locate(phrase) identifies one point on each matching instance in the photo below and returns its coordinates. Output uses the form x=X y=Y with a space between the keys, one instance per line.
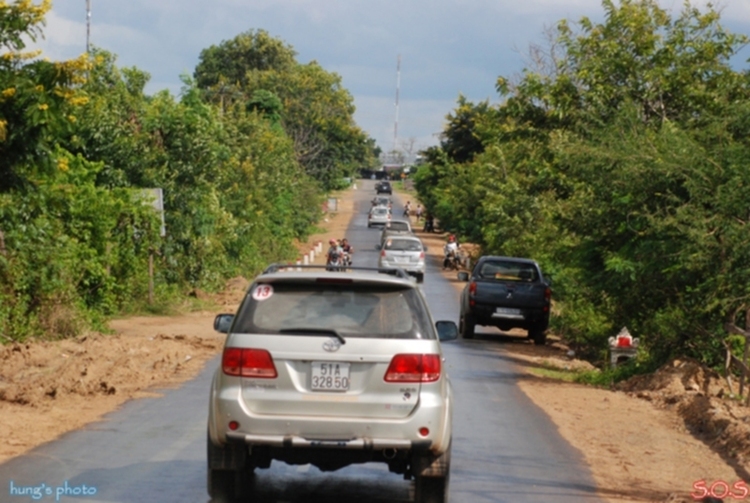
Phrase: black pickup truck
x=506 y=292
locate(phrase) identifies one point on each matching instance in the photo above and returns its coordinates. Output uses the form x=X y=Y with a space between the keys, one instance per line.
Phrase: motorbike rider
x=348 y=250
x=334 y=255
x=451 y=252
x=407 y=209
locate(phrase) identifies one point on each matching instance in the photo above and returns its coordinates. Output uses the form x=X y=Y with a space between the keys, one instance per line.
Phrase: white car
x=379 y=215
x=331 y=369
x=403 y=251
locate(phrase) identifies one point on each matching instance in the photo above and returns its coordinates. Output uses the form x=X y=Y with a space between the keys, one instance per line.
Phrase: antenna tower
x=398 y=86
x=88 y=25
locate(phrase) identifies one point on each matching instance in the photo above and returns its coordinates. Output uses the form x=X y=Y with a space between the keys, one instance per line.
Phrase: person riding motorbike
x=407 y=209
x=348 y=250
x=335 y=256
x=450 y=251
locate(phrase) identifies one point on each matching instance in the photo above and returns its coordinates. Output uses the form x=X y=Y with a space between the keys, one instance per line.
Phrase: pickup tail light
x=246 y=362
x=413 y=368
x=547 y=297
x=382 y=252
x=472 y=292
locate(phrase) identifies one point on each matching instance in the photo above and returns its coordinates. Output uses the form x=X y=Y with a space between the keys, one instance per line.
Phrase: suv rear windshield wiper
x=316 y=331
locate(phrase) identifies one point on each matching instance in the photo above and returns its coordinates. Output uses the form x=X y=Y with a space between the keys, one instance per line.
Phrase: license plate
x=507 y=312
x=402 y=260
x=330 y=376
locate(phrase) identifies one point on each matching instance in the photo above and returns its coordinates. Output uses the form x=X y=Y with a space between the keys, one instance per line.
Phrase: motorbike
x=347 y=259
x=335 y=262
x=429 y=224
x=452 y=259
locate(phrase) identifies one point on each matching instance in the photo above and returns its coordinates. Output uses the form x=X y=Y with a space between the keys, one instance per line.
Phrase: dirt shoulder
x=649 y=441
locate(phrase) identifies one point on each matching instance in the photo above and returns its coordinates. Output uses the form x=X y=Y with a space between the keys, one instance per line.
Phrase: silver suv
x=331 y=369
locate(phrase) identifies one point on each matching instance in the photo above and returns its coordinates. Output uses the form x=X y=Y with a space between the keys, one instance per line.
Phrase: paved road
x=153 y=450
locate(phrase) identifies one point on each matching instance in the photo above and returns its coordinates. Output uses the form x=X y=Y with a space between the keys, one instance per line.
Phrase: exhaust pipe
x=389 y=453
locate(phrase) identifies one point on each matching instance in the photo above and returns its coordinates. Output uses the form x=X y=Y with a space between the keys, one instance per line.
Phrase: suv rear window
x=403 y=245
x=398 y=226
x=375 y=311
x=508 y=271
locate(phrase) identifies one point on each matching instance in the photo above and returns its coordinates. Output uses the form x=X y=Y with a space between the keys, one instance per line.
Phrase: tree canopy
x=620 y=164
x=316 y=110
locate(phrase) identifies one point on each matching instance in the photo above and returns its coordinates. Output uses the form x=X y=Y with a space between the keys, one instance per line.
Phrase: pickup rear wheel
x=466 y=326
x=537 y=335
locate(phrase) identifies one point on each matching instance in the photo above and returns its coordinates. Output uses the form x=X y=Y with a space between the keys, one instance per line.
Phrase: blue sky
x=447 y=47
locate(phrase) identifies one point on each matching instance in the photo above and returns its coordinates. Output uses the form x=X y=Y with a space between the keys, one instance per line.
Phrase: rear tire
x=466 y=326
x=431 y=481
x=229 y=477
x=228 y=486
x=538 y=336
x=420 y=277
x=431 y=489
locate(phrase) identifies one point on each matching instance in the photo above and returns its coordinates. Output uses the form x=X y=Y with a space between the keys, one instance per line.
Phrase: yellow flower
x=79 y=100
x=62 y=164
x=7 y=93
x=43 y=106
x=72 y=118
x=39 y=88
x=3 y=130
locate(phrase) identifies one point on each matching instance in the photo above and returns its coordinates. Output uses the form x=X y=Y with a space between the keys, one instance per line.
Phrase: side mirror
x=463 y=276
x=223 y=322
x=447 y=330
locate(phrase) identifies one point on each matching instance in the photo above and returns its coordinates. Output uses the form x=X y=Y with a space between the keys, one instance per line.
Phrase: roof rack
x=278 y=267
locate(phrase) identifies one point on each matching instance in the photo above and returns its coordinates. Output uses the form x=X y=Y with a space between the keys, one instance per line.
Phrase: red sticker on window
x=262 y=292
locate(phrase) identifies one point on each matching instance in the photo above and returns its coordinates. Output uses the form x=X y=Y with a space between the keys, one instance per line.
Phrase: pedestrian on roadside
x=418 y=212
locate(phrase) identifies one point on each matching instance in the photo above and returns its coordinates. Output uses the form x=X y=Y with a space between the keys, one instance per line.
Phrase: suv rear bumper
x=291 y=441
x=313 y=431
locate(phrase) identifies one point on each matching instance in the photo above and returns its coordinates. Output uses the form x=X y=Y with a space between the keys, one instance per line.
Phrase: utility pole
x=398 y=85
x=88 y=25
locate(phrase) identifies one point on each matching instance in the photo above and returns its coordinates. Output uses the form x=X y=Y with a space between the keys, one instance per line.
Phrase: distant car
x=394 y=228
x=382 y=201
x=331 y=369
x=506 y=292
x=405 y=252
x=384 y=188
x=379 y=215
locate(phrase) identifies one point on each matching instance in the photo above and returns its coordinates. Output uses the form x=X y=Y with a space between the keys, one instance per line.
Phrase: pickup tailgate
x=510 y=293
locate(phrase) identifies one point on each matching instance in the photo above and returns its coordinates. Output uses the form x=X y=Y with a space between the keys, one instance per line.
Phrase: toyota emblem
x=332 y=345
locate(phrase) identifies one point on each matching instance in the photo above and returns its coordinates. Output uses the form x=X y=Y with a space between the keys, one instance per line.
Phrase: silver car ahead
x=405 y=252
x=379 y=215
x=331 y=369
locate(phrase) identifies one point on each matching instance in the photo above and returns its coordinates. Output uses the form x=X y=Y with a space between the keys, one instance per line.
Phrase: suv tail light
x=547 y=297
x=382 y=252
x=244 y=362
x=413 y=368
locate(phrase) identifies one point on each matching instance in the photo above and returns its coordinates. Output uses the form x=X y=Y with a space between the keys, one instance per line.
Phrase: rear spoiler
x=392 y=271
